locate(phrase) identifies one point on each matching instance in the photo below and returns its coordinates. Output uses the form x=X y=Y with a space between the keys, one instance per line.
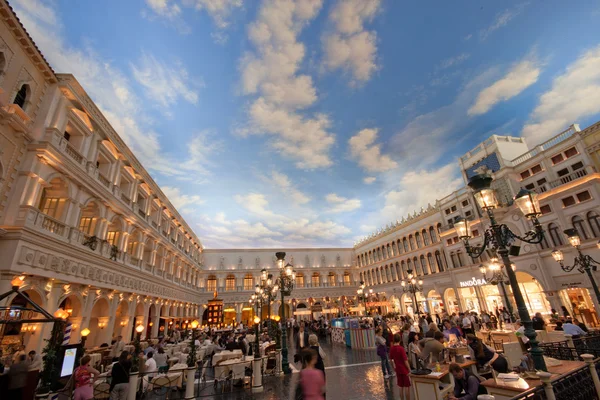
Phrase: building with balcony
x=79 y=214
x=562 y=170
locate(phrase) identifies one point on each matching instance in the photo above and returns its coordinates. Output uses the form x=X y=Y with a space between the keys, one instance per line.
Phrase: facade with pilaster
x=562 y=170
x=80 y=217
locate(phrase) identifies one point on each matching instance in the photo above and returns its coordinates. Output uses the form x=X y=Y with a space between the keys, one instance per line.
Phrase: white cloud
x=416 y=189
x=164 y=8
x=180 y=200
x=258 y=205
x=369 y=179
x=502 y=19
x=342 y=204
x=351 y=47
x=108 y=86
x=468 y=37
x=519 y=78
x=271 y=74
x=290 y=191
x=453 y=61
x=368 y=154
x=219 y=10
x=164 y=84
x=574 y=94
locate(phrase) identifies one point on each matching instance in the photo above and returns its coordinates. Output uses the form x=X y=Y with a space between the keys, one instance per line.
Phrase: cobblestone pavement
x=351 y=375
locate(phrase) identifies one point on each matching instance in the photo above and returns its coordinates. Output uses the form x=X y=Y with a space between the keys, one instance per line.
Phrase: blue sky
x=311 y=123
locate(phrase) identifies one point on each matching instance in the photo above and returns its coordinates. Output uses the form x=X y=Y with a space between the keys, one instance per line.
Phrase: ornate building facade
x=80 y=217
x=562 y=170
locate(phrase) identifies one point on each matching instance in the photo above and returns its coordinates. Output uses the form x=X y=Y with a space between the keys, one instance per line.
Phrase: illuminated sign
x=473 y=282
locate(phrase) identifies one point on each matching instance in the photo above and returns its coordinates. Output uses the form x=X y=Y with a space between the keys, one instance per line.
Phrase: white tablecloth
x=95 y=358
x=175 y=379
x=227 y=355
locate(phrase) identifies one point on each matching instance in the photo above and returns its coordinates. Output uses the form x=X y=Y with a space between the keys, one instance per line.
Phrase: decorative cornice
x=14 y=23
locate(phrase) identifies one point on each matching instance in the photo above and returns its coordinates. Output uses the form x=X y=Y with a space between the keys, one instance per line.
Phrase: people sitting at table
x=559 y=326
x=35 y=361
x=149 y=349
x=151 y=366
x=581 y=325
x=432 y=348
x=573 y=330
x=451 y=329
x=466 y=385
x=486 y=356
x=160 y=358
x=538 y=322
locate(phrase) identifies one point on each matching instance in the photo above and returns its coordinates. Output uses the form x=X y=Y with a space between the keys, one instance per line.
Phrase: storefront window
x=436 y=302
x=469 y=296
x=493 y=297
x=533 y=294
x=580 y=305
x=451 y=301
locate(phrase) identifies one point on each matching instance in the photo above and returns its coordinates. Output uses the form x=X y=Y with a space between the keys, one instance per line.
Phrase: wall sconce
x=123 y=323
x=151 y=324
x=101 y=325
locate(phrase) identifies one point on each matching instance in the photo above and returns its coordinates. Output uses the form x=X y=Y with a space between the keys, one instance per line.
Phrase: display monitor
x=68 y=363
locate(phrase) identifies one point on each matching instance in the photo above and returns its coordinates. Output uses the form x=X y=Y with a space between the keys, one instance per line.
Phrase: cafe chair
x=160 y=388
x=498 y=347
x=222 y=375
x=238 y=372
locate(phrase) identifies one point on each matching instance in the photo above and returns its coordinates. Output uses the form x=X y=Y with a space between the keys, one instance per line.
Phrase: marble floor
x=351 y=374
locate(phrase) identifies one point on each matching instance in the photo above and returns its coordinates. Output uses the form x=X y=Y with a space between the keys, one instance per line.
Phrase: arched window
x=399 y=245
x=347 y=280
x=439 y=262
x=544 y=243
x=388 y=274
x=88 y=219
x=577 y=222
x=460 y=259
x=2 y=62
x=230 y=283
x=248 y=282
x=316 y=279
x=331 y=279
x=411 y=239
x=21 y=96
x=379 y=258
x=211 y=283
x=405 y=243
x=424 y=265
x=402 y=269
x=425 y=237
x=555 y=234
x=398 y=272
x=300 y=280
x=431 y=263
x=385 y=253
x=594 y=223
x=389 y=251
x=418 y=240
x=394 y=248
x=432 y=235
x=438 y=227
x=453 y=260
x=417 y=266
x=409 y=265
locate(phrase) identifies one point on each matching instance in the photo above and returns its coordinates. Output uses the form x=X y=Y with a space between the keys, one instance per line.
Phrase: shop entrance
x=580 y=305
x=451 y=301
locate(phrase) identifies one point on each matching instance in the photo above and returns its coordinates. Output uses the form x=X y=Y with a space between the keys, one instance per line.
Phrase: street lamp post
x=498 y=278
x=413 y=286
x=360 y=292
x=583 y=262
x=285 y=282
x=499 y=238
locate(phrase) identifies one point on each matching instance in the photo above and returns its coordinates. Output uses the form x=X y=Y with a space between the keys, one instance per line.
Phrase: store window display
x=580 y=305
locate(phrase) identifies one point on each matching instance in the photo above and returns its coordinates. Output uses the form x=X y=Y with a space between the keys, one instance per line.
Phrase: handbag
x=381 y=351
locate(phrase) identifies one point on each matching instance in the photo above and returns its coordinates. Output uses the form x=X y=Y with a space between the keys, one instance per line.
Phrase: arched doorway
x=436 y=302
x=302 y=312
x=248 y=314
x=452 y=305
x=151 y=318
x=287 y=310
x=72 y=305
x=98 y=321
x=121 y=318
x=22 y=333
x=408 y=306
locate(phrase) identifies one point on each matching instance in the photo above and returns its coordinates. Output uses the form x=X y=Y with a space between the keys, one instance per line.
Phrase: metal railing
x=546 y=145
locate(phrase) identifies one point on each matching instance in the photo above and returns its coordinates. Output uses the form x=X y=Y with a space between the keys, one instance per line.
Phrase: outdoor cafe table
x=507 y=389
x=437 y=384
x=226 y=355
x=175 y=379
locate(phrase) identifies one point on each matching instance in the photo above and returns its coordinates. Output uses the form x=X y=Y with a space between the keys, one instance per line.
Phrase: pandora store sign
x=473 y=282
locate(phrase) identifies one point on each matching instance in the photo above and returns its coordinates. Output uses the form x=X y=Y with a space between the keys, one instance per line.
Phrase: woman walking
x=83 y=377
x=313 y=341
x=312 y=379
x=401 y=367
x=382 y=352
